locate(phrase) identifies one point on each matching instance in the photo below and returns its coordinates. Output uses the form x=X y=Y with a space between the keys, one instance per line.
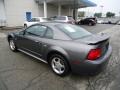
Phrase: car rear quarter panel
x=71 y=50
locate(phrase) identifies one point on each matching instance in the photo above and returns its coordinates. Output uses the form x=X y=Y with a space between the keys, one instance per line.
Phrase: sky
x=108 y=5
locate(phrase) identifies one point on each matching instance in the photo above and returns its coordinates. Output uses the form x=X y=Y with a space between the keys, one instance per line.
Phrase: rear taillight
x=94 y=54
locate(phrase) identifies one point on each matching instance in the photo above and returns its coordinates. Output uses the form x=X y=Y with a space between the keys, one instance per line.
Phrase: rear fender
x=59 y=50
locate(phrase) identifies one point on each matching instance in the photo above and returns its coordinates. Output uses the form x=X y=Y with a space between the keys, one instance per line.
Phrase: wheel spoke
x=58 y=65
x=12 y=45
x=58 y=60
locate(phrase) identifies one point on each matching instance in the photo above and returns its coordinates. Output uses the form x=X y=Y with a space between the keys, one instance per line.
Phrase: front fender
x=10 y=35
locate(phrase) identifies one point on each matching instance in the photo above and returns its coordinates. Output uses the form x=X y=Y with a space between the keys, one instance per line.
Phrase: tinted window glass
x=36 y=20
x=60 y=18
x=73 y=31
x=36 y=30
x=32 y=20
x=70 y=18
x=49 y=33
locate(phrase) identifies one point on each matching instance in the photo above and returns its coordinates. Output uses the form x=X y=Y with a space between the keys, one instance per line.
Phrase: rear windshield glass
x=45 y=19
x=61 y=18
x=70 y=18
x=73 y=31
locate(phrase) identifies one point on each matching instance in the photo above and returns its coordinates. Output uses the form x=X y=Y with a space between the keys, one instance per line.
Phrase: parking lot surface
x=21 y=72
x=97 y=28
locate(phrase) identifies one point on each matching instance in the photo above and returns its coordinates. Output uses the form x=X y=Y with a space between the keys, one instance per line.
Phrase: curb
x=11 y=28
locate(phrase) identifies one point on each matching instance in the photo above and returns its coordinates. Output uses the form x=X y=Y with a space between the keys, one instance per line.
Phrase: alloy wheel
x=58 y=65
x=12 y=45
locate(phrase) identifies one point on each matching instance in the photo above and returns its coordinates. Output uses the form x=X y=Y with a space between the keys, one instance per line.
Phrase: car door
x=31 y=41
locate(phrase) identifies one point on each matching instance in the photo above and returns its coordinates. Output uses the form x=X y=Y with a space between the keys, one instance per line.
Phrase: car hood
x=94 y=39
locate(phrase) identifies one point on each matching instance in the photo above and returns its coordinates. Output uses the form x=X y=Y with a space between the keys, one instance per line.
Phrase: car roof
x=50 y=23
x=59 y=34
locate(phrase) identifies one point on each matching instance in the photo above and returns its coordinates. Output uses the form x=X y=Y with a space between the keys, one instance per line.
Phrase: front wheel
x=90 y=24
x=59 y=65
x=79 y=23
x=12 y=45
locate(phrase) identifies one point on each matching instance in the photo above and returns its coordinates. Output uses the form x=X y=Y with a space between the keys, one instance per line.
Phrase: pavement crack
x=90 y=86
x=31 y=81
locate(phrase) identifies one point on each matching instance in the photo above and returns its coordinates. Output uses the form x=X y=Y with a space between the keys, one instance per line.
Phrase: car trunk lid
x=100 y=41
x=94 y=39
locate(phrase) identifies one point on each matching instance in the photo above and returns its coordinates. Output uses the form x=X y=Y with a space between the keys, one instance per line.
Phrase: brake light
x=94 y=54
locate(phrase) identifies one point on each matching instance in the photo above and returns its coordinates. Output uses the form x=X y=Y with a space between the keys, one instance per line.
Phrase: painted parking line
x=2 y=35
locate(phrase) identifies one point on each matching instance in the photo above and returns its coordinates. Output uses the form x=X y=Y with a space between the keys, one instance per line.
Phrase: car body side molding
x=33 y=56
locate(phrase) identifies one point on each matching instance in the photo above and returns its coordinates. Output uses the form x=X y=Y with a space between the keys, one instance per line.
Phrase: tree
x=110 y=14
x=81 y=14
x=98 y=15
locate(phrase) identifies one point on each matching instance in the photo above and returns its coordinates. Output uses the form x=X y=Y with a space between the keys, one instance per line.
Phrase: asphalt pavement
x=97 y=28
x=21 y=72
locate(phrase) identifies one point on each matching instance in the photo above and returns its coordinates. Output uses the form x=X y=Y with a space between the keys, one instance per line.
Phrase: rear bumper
x=88 y=67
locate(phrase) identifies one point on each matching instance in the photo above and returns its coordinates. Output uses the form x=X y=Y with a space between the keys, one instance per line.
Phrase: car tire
x=12 y=45
x=79 y=23
x=90 y=24
x=59 y=65
x=25 y=26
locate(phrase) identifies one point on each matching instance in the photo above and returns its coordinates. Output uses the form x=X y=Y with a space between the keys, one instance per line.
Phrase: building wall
x=2 y=13
x=52 y=10
x=16 y=11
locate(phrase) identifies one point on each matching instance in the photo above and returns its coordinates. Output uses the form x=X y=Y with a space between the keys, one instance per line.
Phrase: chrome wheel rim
x=58 y=65
x=12 y=45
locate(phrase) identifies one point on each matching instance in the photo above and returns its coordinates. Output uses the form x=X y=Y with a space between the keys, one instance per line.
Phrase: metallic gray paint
x=73 y=50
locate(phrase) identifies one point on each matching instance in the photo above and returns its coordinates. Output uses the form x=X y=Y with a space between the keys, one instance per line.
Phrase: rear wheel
x=79 y=23
x=90 y=24
x=59 y=65
x=12 y=45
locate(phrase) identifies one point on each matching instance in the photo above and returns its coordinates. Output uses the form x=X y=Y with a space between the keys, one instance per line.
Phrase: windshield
x=73 y=31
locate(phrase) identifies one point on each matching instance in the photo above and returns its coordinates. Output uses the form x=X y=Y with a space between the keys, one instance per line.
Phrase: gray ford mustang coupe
x=65 y=47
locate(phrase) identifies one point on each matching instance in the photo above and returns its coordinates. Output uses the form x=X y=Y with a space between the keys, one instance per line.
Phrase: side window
x=49 y=34
x=36 y=30
x=32 y=20
x=60 y=18
x=36 y=20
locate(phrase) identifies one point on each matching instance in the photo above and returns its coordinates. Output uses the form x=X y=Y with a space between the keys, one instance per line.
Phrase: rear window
x=36 y=19
x=45 y=19
x=73 y=31
x=61 y=18
x=70 y=18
